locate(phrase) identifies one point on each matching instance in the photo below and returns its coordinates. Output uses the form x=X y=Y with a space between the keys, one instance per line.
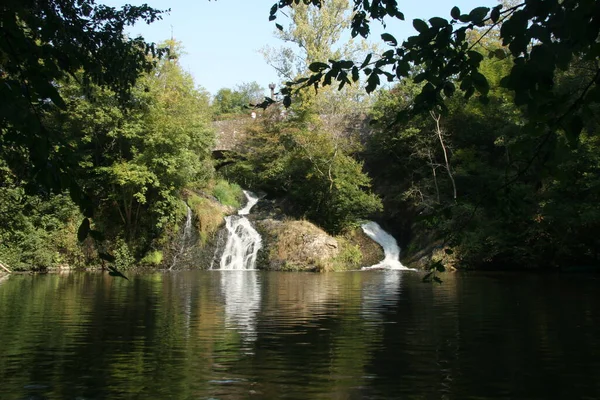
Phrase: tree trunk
x=438 y=131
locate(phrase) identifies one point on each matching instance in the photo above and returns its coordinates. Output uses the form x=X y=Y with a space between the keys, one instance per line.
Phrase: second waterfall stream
x=243 y=241
x=390 y=247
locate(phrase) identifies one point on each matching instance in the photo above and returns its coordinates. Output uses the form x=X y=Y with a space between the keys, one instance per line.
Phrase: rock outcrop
x=296 y=246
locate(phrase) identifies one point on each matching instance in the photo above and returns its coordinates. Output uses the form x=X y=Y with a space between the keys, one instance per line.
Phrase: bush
x=208 y=216
x=229 y=194
x=154 y=258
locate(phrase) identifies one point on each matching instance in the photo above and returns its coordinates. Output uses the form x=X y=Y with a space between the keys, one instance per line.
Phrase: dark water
x=236 y=335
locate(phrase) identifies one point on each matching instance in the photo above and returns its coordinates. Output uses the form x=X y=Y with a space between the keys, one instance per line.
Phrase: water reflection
x=379 y=290
x=243 y=334
x=242 y=296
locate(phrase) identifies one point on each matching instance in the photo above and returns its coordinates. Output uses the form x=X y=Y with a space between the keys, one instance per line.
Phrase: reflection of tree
x=345 y=335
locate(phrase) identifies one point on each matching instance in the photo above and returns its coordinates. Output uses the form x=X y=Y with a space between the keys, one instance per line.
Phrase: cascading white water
x=252 y=200
x=390 y=247
x=243 y=241
x=187 y=233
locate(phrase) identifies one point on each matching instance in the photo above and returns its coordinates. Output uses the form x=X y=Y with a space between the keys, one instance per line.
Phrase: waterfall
x=390 y=247
x=187 y=233
x=243 y=241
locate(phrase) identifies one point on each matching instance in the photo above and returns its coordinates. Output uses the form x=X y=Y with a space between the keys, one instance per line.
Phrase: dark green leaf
x=97 y=235
x=480 y=82
x=420 y=25
x=573 y=129
x=475 y=58
x=389 y=39
x=355 y=75
x=116 y=272
x=372 y=83
x=449 y=251
x=495 y=16
x=449 y=89
x=438 y=22
x=366 y=61
x=478 y=14
x=318 y=66
x=106 y=257
x=279 y=27
x=84 y=229
x=455 y=12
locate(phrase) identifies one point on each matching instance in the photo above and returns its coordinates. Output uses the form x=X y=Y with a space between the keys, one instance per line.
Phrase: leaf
x=116 y=272
x=97 y=235
x=318 y=66
x=475 y=58
x=449 y=251
x=480 y=82
x=573 y=129
x=389 y=39
x=420 y=25
x=495 y=16
x=83 y=230
x=355 y=75
x=366 y=61
x=449 y=89
x=500 y=54
x=455 y=12
x=478 y=14
x=106 y=257
x=420 y=77
x=372 y=82
x=438 y=22
x=287 y=101
x=345 y=64
x=279 y=27
x=427 y=277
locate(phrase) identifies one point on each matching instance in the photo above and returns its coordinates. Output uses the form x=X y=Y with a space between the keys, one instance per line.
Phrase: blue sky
x=222 y=38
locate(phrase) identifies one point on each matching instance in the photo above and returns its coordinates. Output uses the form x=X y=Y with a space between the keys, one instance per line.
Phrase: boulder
x=295 y=246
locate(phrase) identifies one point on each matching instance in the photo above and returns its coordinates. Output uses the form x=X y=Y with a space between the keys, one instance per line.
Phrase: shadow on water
x=240 y=334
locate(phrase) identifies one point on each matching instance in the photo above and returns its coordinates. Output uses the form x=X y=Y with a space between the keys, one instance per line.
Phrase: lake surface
x=250 y=334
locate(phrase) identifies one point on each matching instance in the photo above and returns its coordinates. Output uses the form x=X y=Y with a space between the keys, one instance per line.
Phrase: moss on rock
x=296 y=246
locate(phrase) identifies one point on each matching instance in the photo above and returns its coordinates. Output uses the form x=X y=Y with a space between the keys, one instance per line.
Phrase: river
x=253 y=334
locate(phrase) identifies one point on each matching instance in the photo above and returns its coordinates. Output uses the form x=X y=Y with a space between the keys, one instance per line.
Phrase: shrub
x=154 y=257
x=229 y=194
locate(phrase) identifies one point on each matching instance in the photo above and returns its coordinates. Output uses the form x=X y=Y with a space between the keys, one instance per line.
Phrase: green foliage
x=543 y=38
x=349 y=256
x=309 y=167
x=154 y=258
x=133 y=161
x=313 y=36
x=209 y=216
x=36 y=232
x=526 y=196
x=123 y=255
x=229 y=194
x=228 y=102
x=44 y=43
x=128 y=160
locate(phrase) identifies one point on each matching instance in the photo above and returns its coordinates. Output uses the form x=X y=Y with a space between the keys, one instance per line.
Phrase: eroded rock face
x=295 y=246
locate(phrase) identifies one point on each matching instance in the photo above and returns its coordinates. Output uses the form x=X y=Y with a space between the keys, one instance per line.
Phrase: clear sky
x=222 y=38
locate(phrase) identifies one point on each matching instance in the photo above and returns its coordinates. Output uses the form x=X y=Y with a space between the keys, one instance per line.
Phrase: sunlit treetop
x=543 y=37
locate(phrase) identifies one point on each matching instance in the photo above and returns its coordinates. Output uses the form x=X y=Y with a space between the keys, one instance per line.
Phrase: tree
x=296 y=160
x=238 y=100
x=543 y=38
x=314 y=35
x=134 y=158
x=45 y=41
